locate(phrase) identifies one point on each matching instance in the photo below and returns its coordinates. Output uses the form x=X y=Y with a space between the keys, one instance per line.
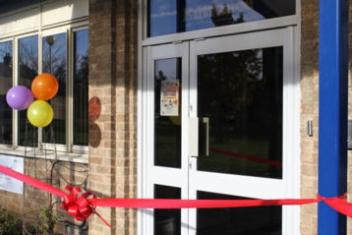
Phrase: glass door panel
x=167 y=222
x=167 y=112
x=240 y=92
x=237 y=221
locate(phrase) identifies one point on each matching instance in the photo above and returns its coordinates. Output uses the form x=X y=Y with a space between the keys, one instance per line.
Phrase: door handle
x=198 y=136
x=193 y=127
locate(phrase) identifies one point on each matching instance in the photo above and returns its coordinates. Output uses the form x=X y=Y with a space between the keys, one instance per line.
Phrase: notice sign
x=169 y=98
x=7 y=183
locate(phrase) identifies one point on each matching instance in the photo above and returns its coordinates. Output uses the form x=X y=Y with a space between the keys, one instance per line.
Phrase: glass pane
x=80 y=88
x=163 y=17
x=27 y=71
x=167 y=112
x=241 y=94
x=238 y=221
x=167 y=222
x=5 y=85
x=55 y=62
x=174 y=16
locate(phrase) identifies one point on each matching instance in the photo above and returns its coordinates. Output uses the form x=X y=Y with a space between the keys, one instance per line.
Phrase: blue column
x=333 y=105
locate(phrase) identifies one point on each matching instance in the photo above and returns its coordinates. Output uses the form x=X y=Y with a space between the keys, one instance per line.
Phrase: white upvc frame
x=293 y=22
x=39 y=29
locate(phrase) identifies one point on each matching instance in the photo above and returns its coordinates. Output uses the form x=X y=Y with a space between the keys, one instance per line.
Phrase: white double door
x=220 y=120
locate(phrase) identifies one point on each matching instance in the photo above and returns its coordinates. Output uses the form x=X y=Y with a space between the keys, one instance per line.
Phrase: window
x=55 y=62
x=173 y=16
x=80 y=88
x=27 y=70
x=48 y=37
x=5 y=85
x=65 y=55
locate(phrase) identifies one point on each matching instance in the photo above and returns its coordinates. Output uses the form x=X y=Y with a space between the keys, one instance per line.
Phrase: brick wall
x=309 y=111
x=112 y=79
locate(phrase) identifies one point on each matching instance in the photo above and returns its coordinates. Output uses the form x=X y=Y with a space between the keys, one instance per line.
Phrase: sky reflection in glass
x=172 y=16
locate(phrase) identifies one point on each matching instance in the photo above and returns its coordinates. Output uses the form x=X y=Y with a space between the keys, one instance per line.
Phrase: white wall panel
x=20 y=23
x=36 y=17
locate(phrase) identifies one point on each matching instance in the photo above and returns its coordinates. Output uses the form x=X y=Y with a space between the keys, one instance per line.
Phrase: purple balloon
x=19 y=97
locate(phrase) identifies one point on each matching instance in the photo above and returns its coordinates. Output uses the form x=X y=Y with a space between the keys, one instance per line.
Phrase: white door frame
x=287 y=187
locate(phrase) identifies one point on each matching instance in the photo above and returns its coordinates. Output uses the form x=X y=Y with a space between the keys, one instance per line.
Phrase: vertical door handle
x=193 y=136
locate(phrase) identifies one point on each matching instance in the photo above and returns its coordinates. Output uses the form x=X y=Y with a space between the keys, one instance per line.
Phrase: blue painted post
x=333 y=102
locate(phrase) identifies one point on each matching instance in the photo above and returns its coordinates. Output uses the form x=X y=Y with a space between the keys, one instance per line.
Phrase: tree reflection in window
x=80 y=88
x=172 y=16
x=55 y=62
x=27 y=71
x=5 y=85
x=241 y=94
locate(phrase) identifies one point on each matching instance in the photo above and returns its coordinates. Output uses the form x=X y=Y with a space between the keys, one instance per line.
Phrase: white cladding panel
x=34 y=18
x=19 y=23
x=56 y=12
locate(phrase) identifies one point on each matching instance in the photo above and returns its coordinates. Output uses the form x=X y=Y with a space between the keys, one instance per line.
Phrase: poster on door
x=7 y=183
x=169 y=98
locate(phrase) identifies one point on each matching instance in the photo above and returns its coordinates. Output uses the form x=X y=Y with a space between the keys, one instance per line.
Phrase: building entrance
x=219 y=122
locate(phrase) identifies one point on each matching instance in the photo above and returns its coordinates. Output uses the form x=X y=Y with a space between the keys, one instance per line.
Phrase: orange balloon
x=45 y=86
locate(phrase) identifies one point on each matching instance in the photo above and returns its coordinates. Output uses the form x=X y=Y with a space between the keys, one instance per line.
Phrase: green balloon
x=40 y=113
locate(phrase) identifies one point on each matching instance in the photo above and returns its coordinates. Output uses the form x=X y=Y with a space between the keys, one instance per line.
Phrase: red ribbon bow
x=77 y=204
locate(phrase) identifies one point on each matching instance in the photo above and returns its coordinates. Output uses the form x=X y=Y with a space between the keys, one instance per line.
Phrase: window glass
x=163 y=17
x=5 y=85
x=27 y=71
x=171 y=16
x=167 y=222
x=167 y=74
x=80 y=88
x=240 y=93
x=238 y=221
x=55 y=62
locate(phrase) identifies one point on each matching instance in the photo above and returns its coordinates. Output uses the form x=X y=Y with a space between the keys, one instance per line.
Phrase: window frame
x=69 y=29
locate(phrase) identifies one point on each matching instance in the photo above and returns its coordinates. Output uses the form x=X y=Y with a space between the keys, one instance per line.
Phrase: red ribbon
x=81 y=205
